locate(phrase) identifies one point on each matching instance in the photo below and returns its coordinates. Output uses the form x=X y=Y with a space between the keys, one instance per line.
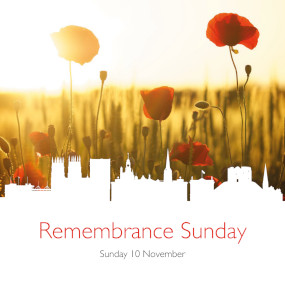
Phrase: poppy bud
x=102 y=134
x=13 y=142
x=4 y=145
x=248 y=69
x=202 y=105
x=51 y=131
x=87 y=142
x=175 y=175
x=195 y=115
x=103 y=75
x=145 y=131
x=17 y=105
x=7 y=164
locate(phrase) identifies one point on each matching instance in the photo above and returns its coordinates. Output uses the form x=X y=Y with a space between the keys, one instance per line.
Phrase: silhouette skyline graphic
x=77 y=203
x=127 y=186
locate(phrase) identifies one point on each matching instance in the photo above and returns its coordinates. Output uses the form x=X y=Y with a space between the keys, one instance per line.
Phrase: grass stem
x=226 y=131
x=160 y=131
x=20 y=141
x=144 y=151
x=240 y=106
x=97 y=118
x=245 y=121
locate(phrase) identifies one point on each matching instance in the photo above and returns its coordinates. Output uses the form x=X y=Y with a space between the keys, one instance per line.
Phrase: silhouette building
x=238 y=187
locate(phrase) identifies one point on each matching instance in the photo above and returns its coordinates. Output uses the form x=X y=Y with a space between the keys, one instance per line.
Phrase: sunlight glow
x=148 y=42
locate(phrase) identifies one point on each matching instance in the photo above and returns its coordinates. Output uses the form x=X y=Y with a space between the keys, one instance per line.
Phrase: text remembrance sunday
x=113 y=231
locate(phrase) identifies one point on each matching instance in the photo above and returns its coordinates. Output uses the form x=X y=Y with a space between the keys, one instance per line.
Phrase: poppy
x=232 y=29
x=76 y=44
x=216 y=180
x=200 y=157
x=103 y=134
x=34 y=175
x=41 y=142
x=158 y=102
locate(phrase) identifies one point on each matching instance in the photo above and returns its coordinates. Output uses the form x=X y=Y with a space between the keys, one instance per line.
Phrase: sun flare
x=141 y=43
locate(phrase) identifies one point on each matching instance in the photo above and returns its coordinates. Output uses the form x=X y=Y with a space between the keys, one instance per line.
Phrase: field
x=120 y=130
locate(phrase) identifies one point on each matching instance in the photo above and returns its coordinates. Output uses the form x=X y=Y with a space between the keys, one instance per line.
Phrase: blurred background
x=143 y=44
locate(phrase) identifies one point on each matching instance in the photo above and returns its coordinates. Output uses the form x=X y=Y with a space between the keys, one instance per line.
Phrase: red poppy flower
x=35 y=177
x=41 y=142
x=232 y=29
x=76 y=44
x=158 y=102
x=216 y=180
x=200 y=157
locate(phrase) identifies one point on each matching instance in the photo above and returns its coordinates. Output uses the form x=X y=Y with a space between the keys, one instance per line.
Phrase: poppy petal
x=216 y=180
x=146 y=112
x=200 y=153
x=37 y=136
x=209 y=161
x=213 y=34
x=76 y=44
x=180 y=151
x=144 y=94
x=231 y=29
x=34 y=175
x=250 y=37
x=158 y=102
x=41 y=142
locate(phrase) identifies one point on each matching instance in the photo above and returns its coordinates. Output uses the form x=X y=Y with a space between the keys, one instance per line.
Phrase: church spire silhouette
x=265 y=183
x=167 y=163
x=167 y=177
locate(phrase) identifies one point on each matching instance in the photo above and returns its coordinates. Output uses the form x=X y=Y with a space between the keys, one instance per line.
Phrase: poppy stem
x=97 y=118
x=70 y=90
x=240 y=107
x=283 y=159
x=20 y=141
x=50 y=163
x=185 y=174
x=194 y=130
x=101 y=141
x=226 y=131
x=144 y=151
x=160 y=130
x=245 y=119
x=12 y=168
x=69 y=134
x=88 y=170
x=71 y=111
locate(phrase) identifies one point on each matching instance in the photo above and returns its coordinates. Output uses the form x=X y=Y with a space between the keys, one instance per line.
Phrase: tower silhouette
x=265 y=183
x=167 y=176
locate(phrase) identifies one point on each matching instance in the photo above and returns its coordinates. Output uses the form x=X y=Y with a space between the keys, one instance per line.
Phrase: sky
x=142 y=42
